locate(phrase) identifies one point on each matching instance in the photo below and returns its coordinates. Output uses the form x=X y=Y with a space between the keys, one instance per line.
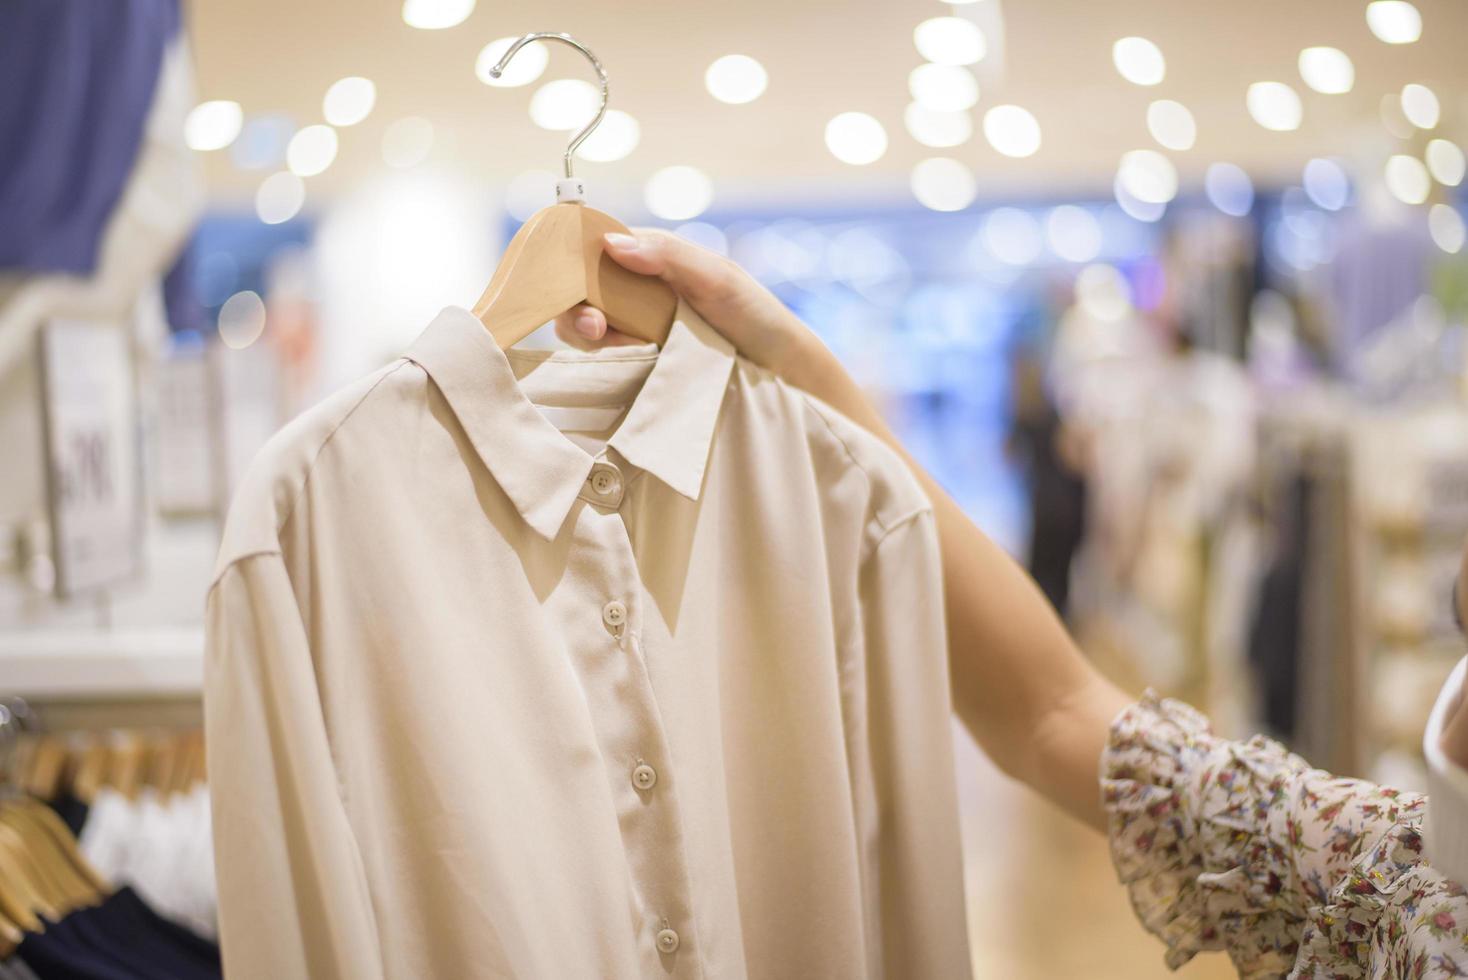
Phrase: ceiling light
x=241 y=320
x=280 y=197
x=1229 y=189
x=945 y=88
x=736 y=79
x=1012 y=131
x=1012 y=236
x=348 y=101
x=1275 y=106
x=678 y=193
x=1420 y=106
x=856 y=138
x=564 y=104
x=406 y=142
x=213 y=125
x=1074 y=233
x=1327 y=70
x=311 y=150
x=1445 y=160
x=528 y=64
x=1407 y=179
x=950 y=41
x=1394 y=21
x=1139 y=60
x=1148 y=176
x=435 y=15
x=616 y=137
x=937 y=129
x=1140 y=210
x=1171 y=124
x=944 y=184
x=1326 y=184
x=1445 y=225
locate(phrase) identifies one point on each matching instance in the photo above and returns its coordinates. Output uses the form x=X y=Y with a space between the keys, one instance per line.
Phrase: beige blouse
x=661 y=696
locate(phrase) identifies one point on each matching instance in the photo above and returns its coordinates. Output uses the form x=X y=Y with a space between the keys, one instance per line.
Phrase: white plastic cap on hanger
x=570 y=190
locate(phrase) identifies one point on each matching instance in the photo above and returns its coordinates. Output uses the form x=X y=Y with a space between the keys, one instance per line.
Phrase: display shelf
x=96 y=664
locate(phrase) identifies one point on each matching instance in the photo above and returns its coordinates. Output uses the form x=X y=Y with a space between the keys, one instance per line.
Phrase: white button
x=644 y=776
x=667 y=941
x=614 y=614
x=604 y=482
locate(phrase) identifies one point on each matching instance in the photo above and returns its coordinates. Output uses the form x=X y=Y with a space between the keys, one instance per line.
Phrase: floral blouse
x=1241 y=846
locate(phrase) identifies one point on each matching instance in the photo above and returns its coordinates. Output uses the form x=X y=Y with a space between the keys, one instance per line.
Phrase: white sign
x=185 y=447
x=93 y=469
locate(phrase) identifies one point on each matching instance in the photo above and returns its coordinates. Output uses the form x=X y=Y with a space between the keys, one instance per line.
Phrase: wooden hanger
x=556 y=259
x=89 y=884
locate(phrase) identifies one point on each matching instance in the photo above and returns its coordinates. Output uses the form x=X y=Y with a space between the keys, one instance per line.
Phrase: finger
x=582 y=327
x=692 y=270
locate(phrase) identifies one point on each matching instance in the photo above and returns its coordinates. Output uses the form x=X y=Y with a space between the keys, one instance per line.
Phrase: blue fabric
x=76 y=82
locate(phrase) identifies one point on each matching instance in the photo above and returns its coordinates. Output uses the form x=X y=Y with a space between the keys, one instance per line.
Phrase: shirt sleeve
x=1228 y=845
x=1446 y=825
x=913 y=887
x=293 y=898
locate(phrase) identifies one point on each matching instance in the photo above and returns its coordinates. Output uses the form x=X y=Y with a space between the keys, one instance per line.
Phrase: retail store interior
x=1171 y=298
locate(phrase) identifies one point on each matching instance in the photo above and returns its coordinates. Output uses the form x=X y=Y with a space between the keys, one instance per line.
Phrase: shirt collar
x=668 y=431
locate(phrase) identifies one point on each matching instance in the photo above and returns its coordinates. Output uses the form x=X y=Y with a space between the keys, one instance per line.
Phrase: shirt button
x=614 y=614
x=667 y=941
x=644 y=776
x=603 y=483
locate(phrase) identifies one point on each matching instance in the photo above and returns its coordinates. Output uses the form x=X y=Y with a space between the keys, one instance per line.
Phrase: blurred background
x=1171 y=296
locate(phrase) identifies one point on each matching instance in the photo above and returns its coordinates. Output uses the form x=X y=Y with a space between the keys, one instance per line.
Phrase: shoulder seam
x=238 y=560
x=306 y=478
x=897 y=524
x=289 y=511
x=814 y=406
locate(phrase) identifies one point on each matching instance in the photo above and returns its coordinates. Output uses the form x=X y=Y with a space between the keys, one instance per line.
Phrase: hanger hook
x=601 y=73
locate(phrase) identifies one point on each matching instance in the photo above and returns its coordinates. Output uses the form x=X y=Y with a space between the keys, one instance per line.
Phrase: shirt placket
x=614 y=674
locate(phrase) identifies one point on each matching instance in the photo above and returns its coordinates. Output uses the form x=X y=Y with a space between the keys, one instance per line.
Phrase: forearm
x=1020 y=685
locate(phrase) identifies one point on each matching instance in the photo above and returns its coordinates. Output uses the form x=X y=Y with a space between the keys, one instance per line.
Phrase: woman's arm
x=1020 y=685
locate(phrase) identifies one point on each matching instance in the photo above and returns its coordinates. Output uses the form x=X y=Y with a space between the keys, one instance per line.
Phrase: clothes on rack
x=161 y=845
x=61 y=919
x=84 y=76
x=122 y=938
x=670 y=699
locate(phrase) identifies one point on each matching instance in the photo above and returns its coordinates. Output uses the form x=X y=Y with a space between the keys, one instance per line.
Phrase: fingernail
x=586 y=326
x=621 y=242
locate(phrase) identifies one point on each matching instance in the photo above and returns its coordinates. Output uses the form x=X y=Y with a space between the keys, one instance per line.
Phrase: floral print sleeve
x=1241 y=846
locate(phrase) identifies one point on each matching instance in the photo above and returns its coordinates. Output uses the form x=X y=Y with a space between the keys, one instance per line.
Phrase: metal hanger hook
x=601 y=73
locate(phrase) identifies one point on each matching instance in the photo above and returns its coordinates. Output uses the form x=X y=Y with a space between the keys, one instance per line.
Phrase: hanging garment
x=163 y=847
x=80 y=78
x=668 y=698
x=120 y=939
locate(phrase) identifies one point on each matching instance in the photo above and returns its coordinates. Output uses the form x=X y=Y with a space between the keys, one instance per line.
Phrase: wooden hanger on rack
x=556 y=259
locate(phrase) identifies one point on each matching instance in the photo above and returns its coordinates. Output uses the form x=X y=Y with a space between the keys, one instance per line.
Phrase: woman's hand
x=732 y=302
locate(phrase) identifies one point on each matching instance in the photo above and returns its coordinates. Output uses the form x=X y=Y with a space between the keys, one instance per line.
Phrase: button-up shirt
x=661 y=695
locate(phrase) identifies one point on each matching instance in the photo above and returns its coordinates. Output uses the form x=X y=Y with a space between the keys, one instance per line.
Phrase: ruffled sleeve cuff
x=1193 y=868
